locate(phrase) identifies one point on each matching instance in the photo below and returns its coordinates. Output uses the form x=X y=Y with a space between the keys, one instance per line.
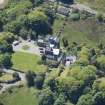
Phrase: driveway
x=33 y=48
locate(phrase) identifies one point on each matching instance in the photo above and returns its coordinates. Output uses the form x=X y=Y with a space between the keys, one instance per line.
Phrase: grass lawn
x=95 y=4
x=87 y=31
x=26 y=61
x=58 y=24
x=20 y=96
x=6 y=77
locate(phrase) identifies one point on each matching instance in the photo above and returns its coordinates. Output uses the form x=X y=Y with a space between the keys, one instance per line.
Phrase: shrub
x=75 y=16
x=30 y=76
x=99 y=17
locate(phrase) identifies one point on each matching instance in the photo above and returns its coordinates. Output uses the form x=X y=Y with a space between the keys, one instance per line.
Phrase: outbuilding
x=63 y=10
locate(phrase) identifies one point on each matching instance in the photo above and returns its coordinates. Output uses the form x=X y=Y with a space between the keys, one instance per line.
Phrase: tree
x=83 y=56
x=92 y=52
x=65 y=42
x=43 y=58
x=1 y=103
x=38 y=21
x=69 y=103
x=16 y=76
x=99 y=17
x=8 y=37
x=99 y=91
x=82 y=61
x=1 y=24
x=32 y=34
x=52 y=84
x=100 y=62
x=12 y=12
x=39 y=81
x=100 y=46
x=5 y=46
x=50 y=81
x=6 y=60
x=24 y=33
x=67 y=1
x=73 y=81
x=13 y=26
x=36 y=2
x=86 y=100
x=60 y=100
x=51 y=15
x=46 y=97
x=99 y=84
x=30 y=76
x=99 y=98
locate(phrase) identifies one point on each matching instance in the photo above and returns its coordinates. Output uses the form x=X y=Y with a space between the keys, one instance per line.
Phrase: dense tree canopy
x=38 y=21
x=46 y=97
x=36 y=2
x=86 y=100
x=5 y=60
x=77 y=77
x=100 y=62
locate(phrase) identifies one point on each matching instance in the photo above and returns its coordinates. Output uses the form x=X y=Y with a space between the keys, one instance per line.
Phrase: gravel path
x=6 y=86
x=33 y=49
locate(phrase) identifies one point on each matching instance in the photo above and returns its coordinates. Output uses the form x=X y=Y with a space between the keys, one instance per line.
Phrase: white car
x=15 y=43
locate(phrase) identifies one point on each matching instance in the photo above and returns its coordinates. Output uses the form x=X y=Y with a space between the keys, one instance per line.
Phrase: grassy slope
x=25 y=62
x=95 y=4
x=87 y=31
x=58 y=23
x=22 y=96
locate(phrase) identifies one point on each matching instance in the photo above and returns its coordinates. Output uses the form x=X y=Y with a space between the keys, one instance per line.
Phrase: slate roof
x=63 y=10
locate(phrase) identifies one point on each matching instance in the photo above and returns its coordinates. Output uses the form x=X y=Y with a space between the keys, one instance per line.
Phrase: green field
x=95 y=4
x=25 y=62
x=86 y=31
x=21 y=96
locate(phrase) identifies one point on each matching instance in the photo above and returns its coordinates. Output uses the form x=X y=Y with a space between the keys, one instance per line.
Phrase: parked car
x=41 y=52
x=15 y=43
x=41 y=48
